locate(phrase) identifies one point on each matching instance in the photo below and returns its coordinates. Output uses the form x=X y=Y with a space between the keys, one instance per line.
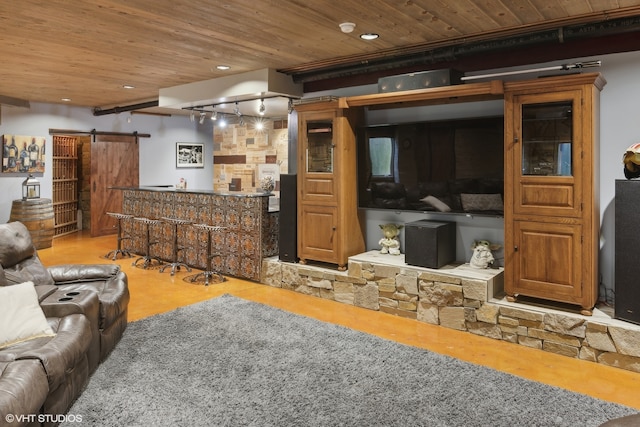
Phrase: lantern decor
x=30 y=188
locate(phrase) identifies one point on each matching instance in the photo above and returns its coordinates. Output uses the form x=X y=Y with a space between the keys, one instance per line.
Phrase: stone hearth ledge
x=460 y=297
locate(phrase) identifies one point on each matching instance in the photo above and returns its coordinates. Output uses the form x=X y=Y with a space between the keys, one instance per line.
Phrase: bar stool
x=119 y=217
x=209 y=272
x=175 y=264
x=147 y=258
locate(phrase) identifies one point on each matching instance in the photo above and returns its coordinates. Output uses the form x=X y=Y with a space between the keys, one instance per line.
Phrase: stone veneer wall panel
x=462 y=302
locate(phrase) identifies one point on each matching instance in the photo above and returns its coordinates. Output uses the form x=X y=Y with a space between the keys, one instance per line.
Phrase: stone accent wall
x=459 y=299
x=238 y=151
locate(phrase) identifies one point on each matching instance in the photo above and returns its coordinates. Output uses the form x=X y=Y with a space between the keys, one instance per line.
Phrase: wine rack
x=65 y=184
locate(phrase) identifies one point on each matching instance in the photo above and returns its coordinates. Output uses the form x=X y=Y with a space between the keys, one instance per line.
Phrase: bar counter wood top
x=250 y=234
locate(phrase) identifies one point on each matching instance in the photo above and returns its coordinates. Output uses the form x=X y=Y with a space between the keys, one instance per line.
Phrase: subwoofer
x=288 y=236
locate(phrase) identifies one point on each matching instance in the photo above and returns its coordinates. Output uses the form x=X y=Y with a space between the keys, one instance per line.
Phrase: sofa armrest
x=75 y=273
x=64 y=351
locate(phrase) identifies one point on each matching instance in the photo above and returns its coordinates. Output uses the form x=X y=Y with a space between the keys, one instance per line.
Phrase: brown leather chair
x=73 y=284
x=23 y=390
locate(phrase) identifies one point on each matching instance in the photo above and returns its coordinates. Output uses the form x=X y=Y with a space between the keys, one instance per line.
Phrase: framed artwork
x=189 y=155
x=23 y=154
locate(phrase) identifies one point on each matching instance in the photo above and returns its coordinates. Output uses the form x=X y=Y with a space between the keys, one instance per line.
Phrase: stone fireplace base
x=463 y=298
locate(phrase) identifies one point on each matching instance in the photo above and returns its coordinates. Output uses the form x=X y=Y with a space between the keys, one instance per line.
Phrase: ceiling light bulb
x=222 y=122
x=347 y=27
x=369 y=36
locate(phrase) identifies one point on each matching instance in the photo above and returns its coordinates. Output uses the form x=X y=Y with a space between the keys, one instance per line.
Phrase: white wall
x=157 y=153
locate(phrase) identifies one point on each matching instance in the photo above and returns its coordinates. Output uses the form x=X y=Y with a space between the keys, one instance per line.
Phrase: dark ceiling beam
x=615 y=36
x=122 y=109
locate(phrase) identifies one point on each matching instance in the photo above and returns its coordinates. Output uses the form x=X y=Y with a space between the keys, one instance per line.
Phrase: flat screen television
x=447 y=166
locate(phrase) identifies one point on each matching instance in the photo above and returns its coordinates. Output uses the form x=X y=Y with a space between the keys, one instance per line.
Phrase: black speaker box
x=627 y=244
x=430 y=244
x=288 y=235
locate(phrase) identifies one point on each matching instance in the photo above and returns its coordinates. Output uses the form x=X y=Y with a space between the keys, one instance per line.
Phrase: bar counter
x=251 y=232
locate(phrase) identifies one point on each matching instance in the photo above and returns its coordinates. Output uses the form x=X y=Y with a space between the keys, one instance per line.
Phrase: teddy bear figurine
x=390 y=243
x=482 y=256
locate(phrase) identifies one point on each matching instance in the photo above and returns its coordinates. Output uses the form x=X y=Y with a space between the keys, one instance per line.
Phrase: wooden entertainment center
x=551 y=209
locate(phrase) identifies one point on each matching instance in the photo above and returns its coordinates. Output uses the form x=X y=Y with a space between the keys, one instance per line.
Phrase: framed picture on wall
x=189 y=155
x=22 y=153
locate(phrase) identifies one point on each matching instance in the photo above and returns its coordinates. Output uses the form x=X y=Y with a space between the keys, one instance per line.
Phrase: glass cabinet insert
x=320 y=147
x=547 y=132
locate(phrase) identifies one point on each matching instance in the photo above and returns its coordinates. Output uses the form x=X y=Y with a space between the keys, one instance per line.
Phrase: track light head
x=262 y=108
x=202 y=116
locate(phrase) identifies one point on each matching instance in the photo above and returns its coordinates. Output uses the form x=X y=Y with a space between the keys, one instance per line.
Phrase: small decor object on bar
x=482 y=256
x=30 y=188
x=267 y=184
x=631 y=160
x=182 y=184
x=390 y=243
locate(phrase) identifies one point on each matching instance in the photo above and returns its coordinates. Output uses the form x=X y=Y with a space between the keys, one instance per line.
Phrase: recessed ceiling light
x=66 y=99
x=223 y=67
x=128 y=86
x=369 y=36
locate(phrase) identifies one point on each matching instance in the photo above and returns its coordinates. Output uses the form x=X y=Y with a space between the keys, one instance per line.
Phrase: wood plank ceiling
x=87 y=50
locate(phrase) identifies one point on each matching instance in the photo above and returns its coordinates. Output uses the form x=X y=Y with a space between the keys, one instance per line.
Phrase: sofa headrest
x=15 y=244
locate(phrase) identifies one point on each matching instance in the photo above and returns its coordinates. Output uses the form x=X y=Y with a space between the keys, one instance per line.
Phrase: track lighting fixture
x=230 y=109
x=222 y=122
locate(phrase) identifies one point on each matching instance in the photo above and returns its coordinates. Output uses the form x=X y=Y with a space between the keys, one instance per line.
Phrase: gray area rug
x=231 y=362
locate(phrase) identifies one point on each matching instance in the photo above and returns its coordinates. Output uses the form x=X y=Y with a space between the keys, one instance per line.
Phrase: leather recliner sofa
x=85 y=305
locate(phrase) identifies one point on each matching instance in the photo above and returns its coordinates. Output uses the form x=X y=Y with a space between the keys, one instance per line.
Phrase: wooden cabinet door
x=317 y=240
x=547 y=154
x=317 y=156
x=547 y=260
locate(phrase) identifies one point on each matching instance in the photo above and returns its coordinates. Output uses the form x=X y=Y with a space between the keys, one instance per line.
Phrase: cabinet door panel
x=547 y=261
x=317 y=234
x=318 y=188
x=553 y=195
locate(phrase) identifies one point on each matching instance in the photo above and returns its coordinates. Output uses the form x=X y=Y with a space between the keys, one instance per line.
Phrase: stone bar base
x=462 y=298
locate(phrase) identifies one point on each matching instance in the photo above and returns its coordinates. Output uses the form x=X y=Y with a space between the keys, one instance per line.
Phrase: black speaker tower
x=627 y=270
x=288 y=235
